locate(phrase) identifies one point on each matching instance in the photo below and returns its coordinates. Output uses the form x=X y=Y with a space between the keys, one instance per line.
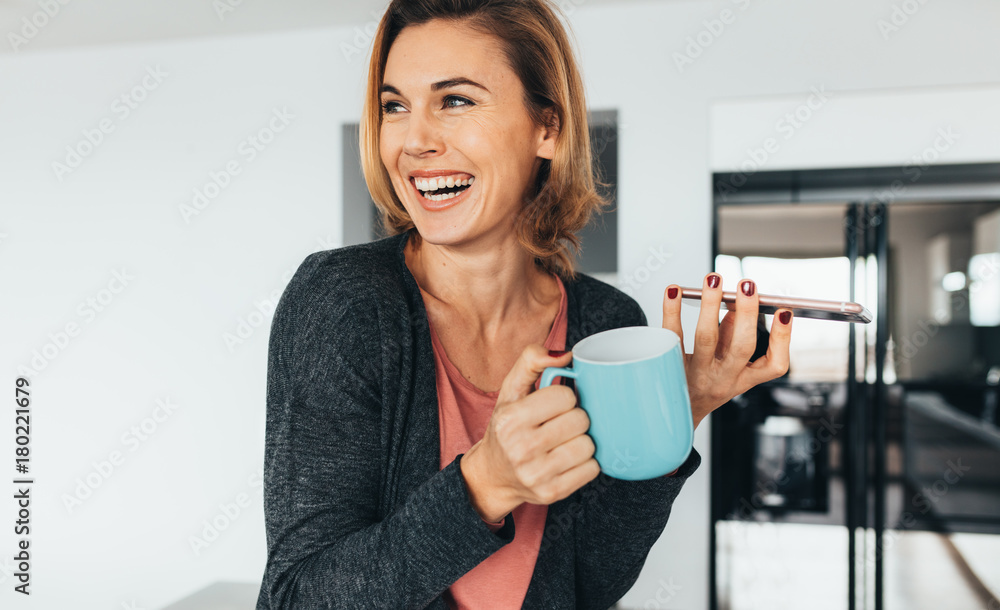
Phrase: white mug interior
x=624 y=345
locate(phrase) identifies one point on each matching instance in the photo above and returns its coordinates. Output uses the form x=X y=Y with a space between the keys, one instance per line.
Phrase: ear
x=548 y=135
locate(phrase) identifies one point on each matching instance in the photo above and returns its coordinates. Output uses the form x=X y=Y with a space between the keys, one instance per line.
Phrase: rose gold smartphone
x=842 y=311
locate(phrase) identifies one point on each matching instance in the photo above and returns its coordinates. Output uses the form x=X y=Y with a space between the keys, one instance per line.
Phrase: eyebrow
x=444 y=84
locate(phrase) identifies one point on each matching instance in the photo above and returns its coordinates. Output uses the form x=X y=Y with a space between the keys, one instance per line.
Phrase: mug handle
x=552 y=372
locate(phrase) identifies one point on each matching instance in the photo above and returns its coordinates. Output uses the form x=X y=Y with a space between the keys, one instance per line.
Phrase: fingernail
x=713 y=281
x=672 y=292
x=556 y=354
x=749 y=288
x=785 y=317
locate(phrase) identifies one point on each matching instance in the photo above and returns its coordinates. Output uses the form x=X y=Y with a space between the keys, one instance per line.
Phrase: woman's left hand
x=720 y=366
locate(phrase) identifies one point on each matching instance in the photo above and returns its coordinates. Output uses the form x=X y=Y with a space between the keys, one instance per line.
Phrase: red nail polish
x=749 y=288
x=785 y=317
x=556 y=354
x=672 y=292
x=713 y=281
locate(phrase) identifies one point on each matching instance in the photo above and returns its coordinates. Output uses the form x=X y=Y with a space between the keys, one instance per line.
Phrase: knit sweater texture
x=358 y=512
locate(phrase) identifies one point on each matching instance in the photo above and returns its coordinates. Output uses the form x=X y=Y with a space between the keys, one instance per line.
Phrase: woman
x=406 y=439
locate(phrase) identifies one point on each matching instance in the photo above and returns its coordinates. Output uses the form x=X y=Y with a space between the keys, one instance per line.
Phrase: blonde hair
x=538 y=50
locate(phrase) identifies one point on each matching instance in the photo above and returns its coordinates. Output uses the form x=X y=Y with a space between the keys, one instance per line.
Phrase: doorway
x=874 y=462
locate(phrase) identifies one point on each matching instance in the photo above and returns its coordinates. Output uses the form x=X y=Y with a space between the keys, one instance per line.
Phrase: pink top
x=501 y=580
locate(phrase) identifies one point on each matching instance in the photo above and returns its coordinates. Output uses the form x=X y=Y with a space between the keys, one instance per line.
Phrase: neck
x=486 y=283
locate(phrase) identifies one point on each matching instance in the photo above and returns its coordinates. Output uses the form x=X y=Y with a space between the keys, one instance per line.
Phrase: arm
x=327 y=545
x=617 y=521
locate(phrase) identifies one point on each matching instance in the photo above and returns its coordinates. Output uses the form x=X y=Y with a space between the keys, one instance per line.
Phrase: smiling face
x=456 y=138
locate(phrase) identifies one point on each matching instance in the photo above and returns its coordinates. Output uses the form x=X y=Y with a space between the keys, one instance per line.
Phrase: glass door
x=782 y=452
x=869 y=476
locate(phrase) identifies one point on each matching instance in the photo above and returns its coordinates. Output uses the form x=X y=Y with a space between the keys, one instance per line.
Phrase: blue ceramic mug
x=631 y=383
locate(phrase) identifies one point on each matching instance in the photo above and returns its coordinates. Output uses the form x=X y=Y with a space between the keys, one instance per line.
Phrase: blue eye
x=455 y=98
x=389 y=107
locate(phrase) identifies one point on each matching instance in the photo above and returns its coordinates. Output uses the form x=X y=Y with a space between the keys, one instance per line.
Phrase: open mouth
x=443 y=188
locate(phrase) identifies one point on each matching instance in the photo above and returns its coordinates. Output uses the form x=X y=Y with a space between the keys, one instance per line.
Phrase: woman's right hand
x=535 y=448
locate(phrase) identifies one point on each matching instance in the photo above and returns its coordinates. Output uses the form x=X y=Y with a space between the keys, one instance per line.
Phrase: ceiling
x=95 y=22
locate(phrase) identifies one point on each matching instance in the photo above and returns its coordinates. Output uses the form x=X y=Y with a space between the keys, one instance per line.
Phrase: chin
x=443 y=233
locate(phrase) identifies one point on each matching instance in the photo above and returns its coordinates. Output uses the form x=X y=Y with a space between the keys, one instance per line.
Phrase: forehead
x=443 y=49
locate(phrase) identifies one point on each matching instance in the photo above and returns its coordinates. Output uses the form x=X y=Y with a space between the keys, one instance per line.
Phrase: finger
x=774 y=364
x=744 y=341
x=546 y=404
x=576 y=477
x=520 y=380
x=672 y=310
x=706 y=335
x=564 y=426
x=725 y=335
x=571 y=454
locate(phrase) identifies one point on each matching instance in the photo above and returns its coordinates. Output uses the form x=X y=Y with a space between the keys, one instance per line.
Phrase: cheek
x=497 y=149
x=390 y=146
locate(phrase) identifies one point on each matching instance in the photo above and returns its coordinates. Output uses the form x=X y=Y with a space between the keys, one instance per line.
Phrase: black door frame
x=867 y=193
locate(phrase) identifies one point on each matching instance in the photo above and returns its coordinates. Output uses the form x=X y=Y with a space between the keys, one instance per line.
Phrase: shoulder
x=339 y=293
x=350 y=277
x=600 y=305
x=349 y=272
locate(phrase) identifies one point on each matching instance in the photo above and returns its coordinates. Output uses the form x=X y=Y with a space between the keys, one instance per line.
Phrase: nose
x=423 y=134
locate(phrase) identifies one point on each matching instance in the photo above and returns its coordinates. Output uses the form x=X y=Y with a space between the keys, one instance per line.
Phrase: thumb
x=520 y=381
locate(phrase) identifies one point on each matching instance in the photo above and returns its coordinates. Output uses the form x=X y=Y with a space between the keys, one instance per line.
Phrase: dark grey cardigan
x=358 y=513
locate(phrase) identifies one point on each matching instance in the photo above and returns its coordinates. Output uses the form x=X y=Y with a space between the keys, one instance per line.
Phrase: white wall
x=162 y=336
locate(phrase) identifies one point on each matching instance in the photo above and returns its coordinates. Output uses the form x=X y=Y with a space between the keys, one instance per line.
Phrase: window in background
x=818 y=351
x=984 y=289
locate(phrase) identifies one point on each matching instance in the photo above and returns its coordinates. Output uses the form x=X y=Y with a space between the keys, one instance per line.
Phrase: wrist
x=485 y=498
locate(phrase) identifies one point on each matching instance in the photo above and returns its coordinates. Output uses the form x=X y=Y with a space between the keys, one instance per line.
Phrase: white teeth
x=442 y=196
x=433 y=184
x=427 y=185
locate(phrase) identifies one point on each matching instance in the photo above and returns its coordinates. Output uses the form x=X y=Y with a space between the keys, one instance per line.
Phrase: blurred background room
x=166 y=165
